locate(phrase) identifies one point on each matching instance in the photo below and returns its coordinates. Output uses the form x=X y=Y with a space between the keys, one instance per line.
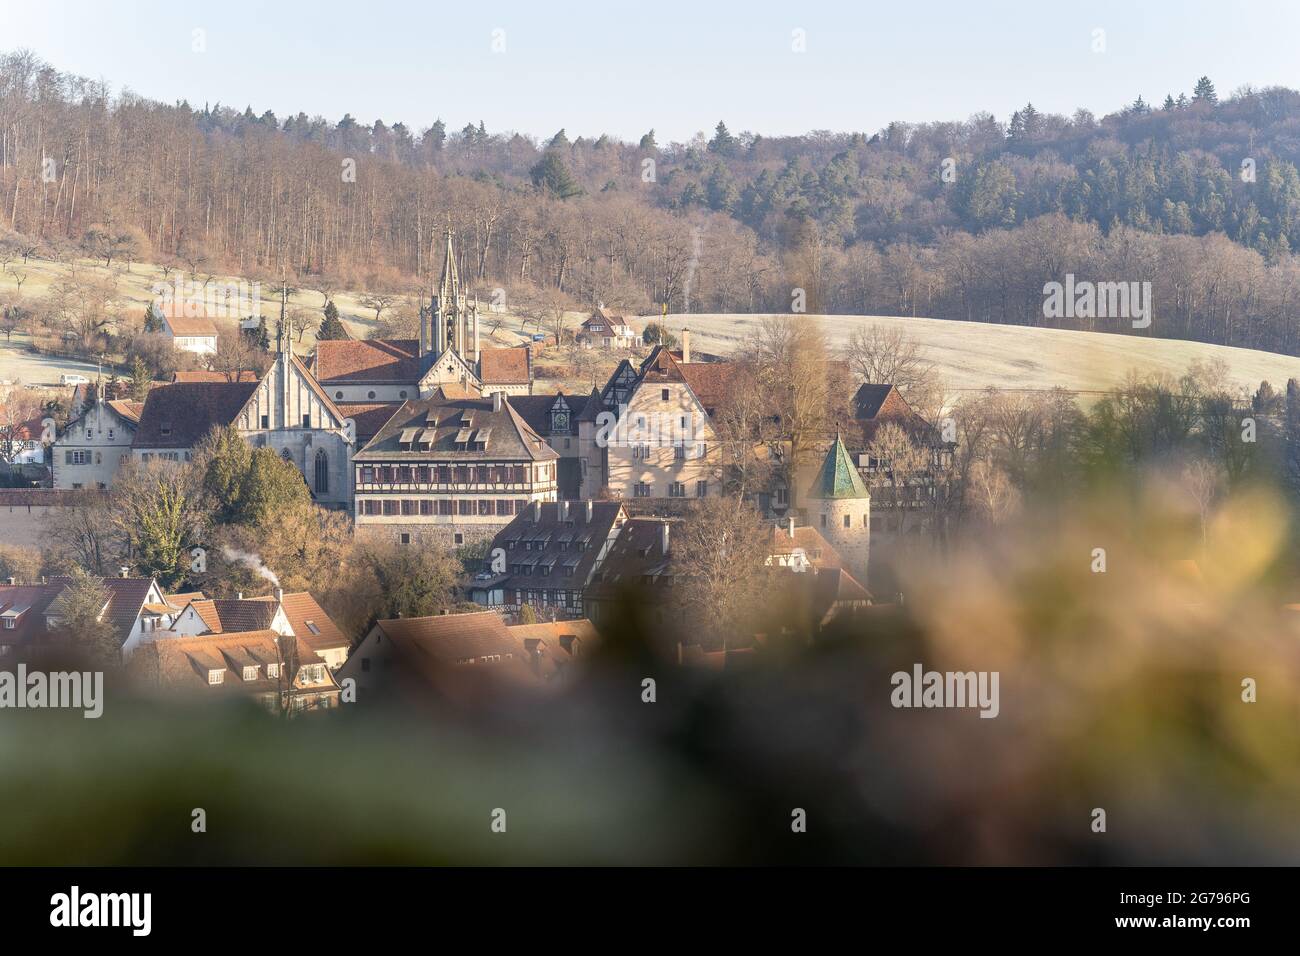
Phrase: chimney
x=564 y=510
x=589 y=509
x=279 y=595
x=125 y=571
x=663 y=536
x=496 y=400
x=533 y=646
x=686 y=345
x=239 y=595
x=789 y=525
x=537 y=512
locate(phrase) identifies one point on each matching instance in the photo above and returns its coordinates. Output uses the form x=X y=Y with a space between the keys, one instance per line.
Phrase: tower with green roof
x=839 y=506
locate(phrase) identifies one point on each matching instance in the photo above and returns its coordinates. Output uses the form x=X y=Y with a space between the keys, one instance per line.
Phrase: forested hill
x=1199 y=195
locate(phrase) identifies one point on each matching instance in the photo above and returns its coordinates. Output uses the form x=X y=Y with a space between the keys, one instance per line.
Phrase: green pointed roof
x=837 y=478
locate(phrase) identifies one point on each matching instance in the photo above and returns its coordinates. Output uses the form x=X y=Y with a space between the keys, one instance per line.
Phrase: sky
x=624 y=66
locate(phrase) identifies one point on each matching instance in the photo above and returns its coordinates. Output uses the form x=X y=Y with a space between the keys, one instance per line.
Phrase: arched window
x=322 y=472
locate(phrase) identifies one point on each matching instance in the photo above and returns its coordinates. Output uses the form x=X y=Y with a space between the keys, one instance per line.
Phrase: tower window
x=848 y=521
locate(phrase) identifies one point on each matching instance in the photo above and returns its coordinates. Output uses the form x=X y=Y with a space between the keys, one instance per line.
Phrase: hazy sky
x=622 y=68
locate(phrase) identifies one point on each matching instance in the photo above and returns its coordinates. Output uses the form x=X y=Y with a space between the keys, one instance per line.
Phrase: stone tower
x=839 y=506
x=453 y=315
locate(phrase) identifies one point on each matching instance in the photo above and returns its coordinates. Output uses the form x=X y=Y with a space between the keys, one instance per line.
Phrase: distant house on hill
x=197 y=335
x=607 y=330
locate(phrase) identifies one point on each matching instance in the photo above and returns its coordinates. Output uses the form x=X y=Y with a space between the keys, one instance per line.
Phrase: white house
x=197 y=335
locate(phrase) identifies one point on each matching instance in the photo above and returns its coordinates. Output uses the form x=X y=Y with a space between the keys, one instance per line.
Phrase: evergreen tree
x=1169 y=104
x=553 y=176
x=723 y=143
x=263 y=335
x=436 y=135
x=558 y=140
x=141 y=380
x=1204 y=92
x=332 y=328
x=648 y=141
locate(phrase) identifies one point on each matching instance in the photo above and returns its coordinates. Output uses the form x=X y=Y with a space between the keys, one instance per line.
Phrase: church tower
x=454 y=317
x=839 y=506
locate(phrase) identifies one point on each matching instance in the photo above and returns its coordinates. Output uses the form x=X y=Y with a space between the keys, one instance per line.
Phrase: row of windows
x=569 y=599
x=389 y=507
x=449 y=474
x=848 y=521
x=676 y=489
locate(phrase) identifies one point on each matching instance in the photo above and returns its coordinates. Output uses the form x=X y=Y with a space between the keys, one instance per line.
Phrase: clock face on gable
x=560 y=420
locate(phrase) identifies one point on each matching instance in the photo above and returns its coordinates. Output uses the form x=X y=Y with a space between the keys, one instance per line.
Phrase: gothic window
x=322 y=472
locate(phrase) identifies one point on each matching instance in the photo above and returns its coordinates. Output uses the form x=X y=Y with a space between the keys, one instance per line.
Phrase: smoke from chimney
x=253 y=561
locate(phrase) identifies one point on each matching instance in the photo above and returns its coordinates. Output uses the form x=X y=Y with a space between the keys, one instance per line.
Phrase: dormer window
x=216 y=676
x=250 y=673
x=273 y=671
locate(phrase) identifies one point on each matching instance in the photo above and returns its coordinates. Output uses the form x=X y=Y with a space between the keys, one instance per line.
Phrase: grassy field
x=975 y=355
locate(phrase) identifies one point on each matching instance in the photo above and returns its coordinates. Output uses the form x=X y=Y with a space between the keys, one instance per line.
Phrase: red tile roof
x=368 y=361
x=203 y=375
x=200 y=326
x=505 y=367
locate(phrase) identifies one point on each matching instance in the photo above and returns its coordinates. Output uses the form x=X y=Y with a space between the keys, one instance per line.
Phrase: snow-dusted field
x=974 y=355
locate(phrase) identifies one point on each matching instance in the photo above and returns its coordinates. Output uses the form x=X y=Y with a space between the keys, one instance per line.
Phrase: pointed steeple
x=837 y=478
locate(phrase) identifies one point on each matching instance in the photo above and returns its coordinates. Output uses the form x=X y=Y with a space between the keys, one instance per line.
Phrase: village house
x=134 y=607
x=463 y=657
x=649 y=434
x=637 y=570
x=92 y=447
x=190 y=334
x=607 y=330
x=447 y=352
x=295 y=614
x=546 y=557
x=450 y=469
x=276 y=671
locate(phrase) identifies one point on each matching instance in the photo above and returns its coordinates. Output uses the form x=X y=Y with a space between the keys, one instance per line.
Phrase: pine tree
x=332 y=328
x=648 y=141
x=1204 y=92
x=1169 y=104
x=141 y=380
x=263 y=336
x=723 y=143
x=554 y=177
x=558 y=140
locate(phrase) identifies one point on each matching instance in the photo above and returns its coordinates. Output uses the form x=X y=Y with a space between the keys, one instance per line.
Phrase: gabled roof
x=449 y=361
x=180 y=414
x=126 y=599
x=130 y=411
x=198 y=326
x=248 y=615
x=636 y=560
x=309 y=621
x=505 y=367
x=552 y=540
x=27 y=604
x=506 y=435
x=837 y=478
x=370 y=361
x=184 y=662
x=807 y=539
